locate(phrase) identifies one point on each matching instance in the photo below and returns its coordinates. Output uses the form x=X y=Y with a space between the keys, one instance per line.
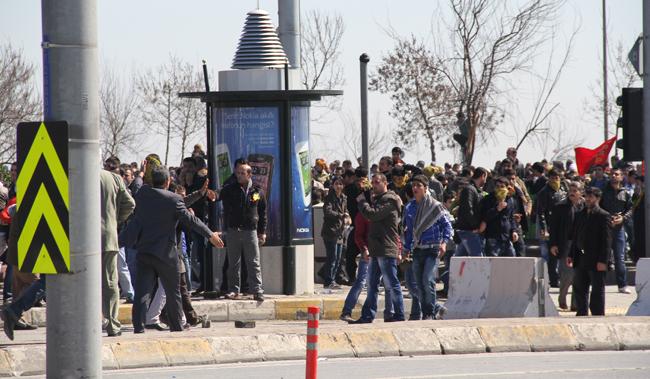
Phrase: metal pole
x=646 y=116
x=208 y=260
x=289 y=29
x=71 y=93
x=606 y=122
x=364 y=59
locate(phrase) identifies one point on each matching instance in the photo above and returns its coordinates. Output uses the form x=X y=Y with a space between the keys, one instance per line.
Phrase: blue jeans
x=618 y=247
x=124 y=275
x=412 y=285
x=357 y=287
x=471 y=244
x=499 y=248
x=425 y=270
x=333 y=251
x=551 y=262
x=387 y=269
x=29 y=296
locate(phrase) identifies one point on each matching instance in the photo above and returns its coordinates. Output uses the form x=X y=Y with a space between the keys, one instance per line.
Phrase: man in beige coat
x=117 y=205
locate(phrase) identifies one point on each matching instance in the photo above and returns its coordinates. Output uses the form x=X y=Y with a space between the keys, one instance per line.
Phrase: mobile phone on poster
x=224 y=164
x=262 y=171
x=304 y=169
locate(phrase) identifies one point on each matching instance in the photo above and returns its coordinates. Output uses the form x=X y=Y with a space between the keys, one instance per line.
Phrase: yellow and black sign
x=42 y=197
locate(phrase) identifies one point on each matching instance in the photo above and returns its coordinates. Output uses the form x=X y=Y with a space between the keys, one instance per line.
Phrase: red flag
x=586 y=158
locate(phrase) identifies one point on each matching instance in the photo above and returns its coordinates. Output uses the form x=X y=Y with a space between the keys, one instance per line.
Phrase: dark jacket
x=500 y=224
x=244 y=209
x=617 y=201
x=435 y=188
x=135 y=185
x=469 y=208
x=560 y=226
x=592 y=238
x=334 y=211
x=152 y=229
x=546 y=201
x=534 y=186
x=351 y=191
x=384 y=216
x=200 y=207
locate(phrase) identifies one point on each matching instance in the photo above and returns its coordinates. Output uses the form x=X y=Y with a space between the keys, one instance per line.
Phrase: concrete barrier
x=498 y=287
x=641 y=306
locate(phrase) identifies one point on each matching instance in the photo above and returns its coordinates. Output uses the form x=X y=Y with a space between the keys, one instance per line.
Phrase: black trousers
x=149 y=269
x=351 y=253
x=582 y=279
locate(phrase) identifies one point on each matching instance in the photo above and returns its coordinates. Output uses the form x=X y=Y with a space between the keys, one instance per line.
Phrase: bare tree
x=379 y=139
x=559 y=142
x=19 y=100
x=620 y=74
x=544 y=107
x=320 y=67
x=163 y=109
x=489 y=40
x=119 y=126
x=423 y=102
x=190 y=113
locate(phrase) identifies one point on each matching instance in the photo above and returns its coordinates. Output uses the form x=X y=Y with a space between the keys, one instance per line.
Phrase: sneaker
x=232 y=296
x=440 y=314
x=346 y=317
x=334 y=286
x=625 y=290
x=24 y=325
x=259 y=297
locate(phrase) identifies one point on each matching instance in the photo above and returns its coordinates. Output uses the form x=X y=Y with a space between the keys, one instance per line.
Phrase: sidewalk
x=279 y=307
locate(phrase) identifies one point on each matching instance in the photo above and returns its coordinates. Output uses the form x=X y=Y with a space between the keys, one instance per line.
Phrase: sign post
x=42 y=198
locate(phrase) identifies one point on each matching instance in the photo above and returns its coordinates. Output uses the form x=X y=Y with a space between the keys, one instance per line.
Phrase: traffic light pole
x=646 y=117
x=71 y=93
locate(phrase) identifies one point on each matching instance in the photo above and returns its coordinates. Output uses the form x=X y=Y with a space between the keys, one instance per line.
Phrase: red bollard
x=313 y=314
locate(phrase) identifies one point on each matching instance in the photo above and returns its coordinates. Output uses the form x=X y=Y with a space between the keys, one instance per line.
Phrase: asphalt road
x=593 y=365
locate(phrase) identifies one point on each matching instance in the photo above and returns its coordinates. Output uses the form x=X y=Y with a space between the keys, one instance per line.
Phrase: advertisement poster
x=252 y=133
x=301 y=173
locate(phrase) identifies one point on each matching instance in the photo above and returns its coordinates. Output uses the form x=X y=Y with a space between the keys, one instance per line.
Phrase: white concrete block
x=641 y=306
x=498 y=287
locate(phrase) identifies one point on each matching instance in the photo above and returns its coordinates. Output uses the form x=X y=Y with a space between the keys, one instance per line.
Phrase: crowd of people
x=154 y=237
x=390 y=224
x=410 y=216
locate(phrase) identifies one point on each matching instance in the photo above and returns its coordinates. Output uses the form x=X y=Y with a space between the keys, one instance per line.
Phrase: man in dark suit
x=560 y=227
x=592 y=237
x=152 y=232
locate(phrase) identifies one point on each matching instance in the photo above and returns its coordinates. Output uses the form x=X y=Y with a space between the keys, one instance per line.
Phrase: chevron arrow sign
x=42 y=198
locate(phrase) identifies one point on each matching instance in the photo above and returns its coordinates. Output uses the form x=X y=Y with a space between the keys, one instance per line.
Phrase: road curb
x=235 y=310
x=399 y=339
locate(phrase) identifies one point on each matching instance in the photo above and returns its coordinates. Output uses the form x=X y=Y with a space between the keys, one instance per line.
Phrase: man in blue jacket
x=427 y=230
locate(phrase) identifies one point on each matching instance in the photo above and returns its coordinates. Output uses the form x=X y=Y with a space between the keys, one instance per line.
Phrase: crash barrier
x=311 y=371
x=641 y=306
x=498 y=287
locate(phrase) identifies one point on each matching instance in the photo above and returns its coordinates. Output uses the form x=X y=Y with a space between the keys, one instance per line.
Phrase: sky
x=137 y=35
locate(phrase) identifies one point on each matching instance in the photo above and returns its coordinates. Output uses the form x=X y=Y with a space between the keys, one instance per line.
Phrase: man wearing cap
x=427 y=228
